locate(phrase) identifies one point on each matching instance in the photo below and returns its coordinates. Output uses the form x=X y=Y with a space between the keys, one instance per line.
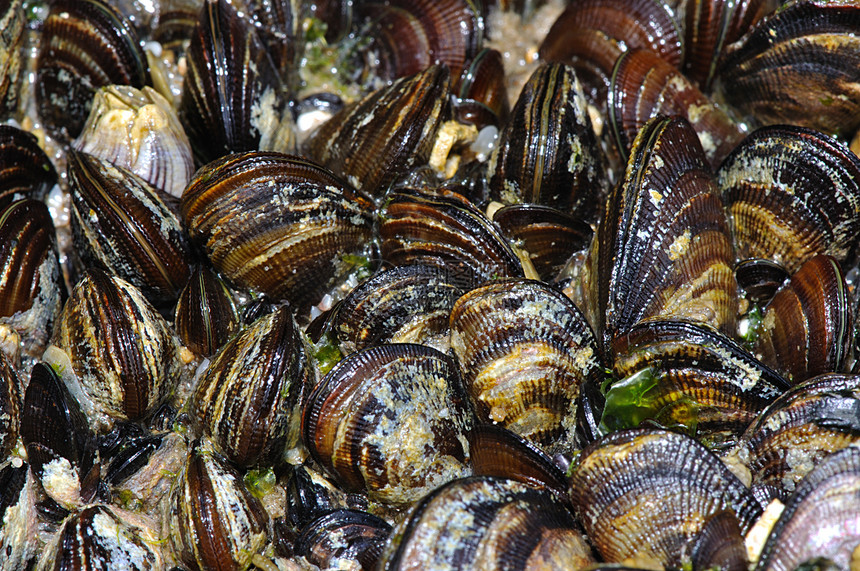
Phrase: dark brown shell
x=791 y=193
x=443 y=228
x=206 y=315
x=122 y=351
x=524 y=350
x=759 y=279
x=800 y=66
x=798 y=430
x=232 y=99
x=247 y=401
x=821 y=519
x=383 y=135
x=483 y=522
x=31 y=290
x=688 y=377
x=391 y=421
x=483 y=95
x=548 y=153
x=25 y=169
x=644 y=494
x=341 y=536
x=57 y=438
x=212 y=519
x=97 y=538
x=408 y=36
x=120 y=224
x=549 y=236
x=644 y=85
x=591 y=34
x=663 y=248
x=807 y=327
x=85 y=44
x=276 y=224
x=404 y=304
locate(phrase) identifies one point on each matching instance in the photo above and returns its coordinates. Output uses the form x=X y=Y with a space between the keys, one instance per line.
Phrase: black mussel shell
x=343 y=535
x=759 y=279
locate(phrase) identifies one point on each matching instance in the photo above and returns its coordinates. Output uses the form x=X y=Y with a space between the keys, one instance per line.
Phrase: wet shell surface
x=247 y=401
x=277 y=224
x=524 y=349
x=390 y=420
x=487 y=523
x=643 y=494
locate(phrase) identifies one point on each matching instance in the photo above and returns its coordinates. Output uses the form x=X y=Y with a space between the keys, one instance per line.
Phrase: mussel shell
x=18 y=514
x=591 y=34
x=807 y=327
x=821 y=519
x=701 y=380
x=488 y=523
x=644 y=494
x=644 y=85
x=97 y=538
x=524 y=349
x=791 y=193
x=799 y=66
x=206 y=315
x=443 y=228
x=310 y=496
x=498 y=452
x=213 y=520
x=60 y=448
x=13 y=22
x=549 y=236
x=405 y=304
x=548 y=153
x=390 y=420
x=663 y=248
x=248 y=399
x=138 y=130
x=711 y=25
x=383 y=135
x=759 y=279
x=85 y=44
x=796 y=432
x=122 y=351
x=341 y=536
x=408 y=36
x=25 y=169
x=232 y=98
x=120 y=224
x=10 y=407
x=31 y=291
x=276 y=224
x=482 y=83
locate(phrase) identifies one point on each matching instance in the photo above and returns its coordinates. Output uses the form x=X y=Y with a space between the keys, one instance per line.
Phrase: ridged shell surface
x=663 y=248
x=247 y=401
x=643 y=494
x=276 y=224
x=122 y=351
x=524 y=349
x=390 y=420
x=487 y=523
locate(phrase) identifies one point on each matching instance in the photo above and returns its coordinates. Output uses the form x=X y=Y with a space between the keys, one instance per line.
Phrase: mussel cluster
x=297 y=285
